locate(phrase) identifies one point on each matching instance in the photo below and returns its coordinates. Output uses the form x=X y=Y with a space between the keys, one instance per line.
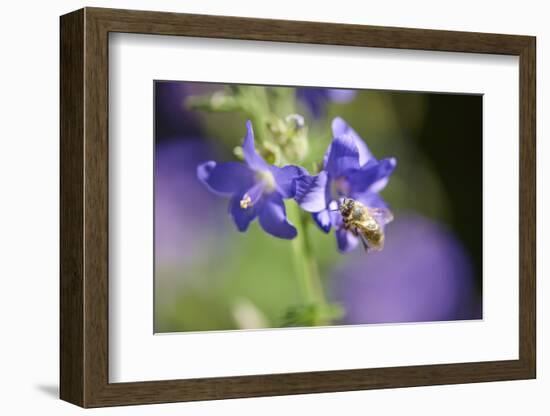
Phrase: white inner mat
x=136 y=354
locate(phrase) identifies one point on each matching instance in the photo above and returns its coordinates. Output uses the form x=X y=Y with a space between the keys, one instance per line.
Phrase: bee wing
x=381 y=215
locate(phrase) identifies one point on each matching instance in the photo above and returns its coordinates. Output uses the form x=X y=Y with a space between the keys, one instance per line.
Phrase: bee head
x=346 y=207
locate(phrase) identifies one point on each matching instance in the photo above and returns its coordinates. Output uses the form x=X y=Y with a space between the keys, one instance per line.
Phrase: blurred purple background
x=183 y=207
x=423 y=274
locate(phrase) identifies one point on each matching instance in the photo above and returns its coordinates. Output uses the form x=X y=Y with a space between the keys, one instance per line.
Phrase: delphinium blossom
x=316 y=99
x=256 y=189
x=349 y=171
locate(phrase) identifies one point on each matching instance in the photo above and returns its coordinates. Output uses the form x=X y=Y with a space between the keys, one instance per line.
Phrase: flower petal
x=311 y=192
x=346 y=240
x=252 y=158
x=370 y=199
x=381 y=183
x=285 y=179
x=255 y=193
x=241 y=216
x=372 y=175
x=225 y=178
x=315 y=100
x=343 y=156
x=323 y=220
x=341 y=128
x=273 y=218
x=339 y=95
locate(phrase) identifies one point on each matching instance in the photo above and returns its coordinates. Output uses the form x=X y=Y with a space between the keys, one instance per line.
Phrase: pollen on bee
x=246 y=201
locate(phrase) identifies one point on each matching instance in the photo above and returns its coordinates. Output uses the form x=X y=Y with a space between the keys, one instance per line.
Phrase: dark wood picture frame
x=84 y=207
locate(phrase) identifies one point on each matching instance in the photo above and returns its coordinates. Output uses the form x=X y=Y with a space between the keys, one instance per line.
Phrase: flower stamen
x=246 y=201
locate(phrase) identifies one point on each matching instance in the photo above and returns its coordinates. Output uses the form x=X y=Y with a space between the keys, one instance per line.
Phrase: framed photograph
x=263 y=207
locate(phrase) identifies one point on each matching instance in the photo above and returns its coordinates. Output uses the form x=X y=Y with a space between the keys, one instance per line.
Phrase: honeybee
x=365 y=222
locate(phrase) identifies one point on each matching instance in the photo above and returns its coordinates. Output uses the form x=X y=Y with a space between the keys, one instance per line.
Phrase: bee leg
x=361 y=237
x=363 y=240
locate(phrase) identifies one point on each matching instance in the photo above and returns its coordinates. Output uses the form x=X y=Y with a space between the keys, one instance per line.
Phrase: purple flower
x=349 y=170
x=316 y=99
x=256 y=188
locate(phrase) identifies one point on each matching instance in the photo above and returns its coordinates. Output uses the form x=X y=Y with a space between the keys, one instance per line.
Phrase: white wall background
x=29 y=207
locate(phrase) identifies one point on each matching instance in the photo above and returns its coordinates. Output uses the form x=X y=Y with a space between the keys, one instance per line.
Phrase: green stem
x=307 y=271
